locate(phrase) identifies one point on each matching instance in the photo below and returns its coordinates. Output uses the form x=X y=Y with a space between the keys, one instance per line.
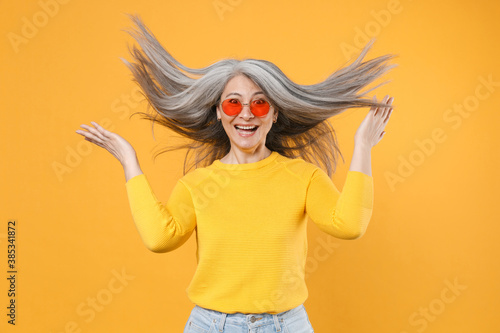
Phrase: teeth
x=245 y=127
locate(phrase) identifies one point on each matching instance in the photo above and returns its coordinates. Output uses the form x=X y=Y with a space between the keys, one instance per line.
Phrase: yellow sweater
x=251 y=227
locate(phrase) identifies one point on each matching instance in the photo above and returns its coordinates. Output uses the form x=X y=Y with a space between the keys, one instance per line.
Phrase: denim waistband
x=251 y=319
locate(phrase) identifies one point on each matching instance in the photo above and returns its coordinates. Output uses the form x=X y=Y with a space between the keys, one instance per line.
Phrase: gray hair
x=185 y=101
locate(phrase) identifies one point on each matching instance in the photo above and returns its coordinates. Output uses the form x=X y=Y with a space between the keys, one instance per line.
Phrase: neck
x=236 y=156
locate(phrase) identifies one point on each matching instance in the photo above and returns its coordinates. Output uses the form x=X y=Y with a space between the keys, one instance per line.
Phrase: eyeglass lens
x=233 y=106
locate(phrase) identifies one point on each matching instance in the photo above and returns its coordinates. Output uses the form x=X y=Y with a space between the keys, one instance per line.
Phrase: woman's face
x=245 y=90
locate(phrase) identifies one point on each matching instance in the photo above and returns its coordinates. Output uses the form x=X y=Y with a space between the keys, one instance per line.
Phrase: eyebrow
x=255 y=93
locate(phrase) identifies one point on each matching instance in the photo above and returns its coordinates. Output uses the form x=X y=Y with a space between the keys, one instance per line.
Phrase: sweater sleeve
x=162 y=227
x=343 y=215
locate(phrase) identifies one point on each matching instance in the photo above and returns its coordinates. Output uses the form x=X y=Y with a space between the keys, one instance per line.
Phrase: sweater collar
x=246 y=166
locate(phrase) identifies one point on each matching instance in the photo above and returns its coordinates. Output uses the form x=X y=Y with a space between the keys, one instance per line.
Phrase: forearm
x=162 y=227
x=355 y=205
x=345 y=214
x=131 y=168
x=361 y=159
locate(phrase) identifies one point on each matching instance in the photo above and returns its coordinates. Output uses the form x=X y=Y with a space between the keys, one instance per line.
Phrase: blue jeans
x=203 y=320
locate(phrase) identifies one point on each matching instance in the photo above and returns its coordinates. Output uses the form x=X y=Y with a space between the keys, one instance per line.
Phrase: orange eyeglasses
x=233 y=106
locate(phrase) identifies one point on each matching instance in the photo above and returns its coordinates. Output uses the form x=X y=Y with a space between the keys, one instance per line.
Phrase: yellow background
x=432 y=227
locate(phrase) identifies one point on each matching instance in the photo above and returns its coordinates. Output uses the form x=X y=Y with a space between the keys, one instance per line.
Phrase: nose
x=245 y=111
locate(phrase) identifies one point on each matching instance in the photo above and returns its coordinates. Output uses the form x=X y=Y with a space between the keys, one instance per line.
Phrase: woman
x=256 y=135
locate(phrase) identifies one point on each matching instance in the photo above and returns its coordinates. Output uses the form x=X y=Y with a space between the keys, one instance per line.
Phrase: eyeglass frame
x=243 y=104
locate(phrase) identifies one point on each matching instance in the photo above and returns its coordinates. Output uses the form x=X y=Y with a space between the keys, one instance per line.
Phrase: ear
x=218 y=112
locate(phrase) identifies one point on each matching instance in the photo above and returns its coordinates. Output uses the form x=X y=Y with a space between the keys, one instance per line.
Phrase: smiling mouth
x=246 y=129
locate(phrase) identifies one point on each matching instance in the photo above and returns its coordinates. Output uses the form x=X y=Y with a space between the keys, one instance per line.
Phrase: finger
x=385 y=101
x=382 y=111
x=385 y=110
x=95 y=132
x=95 y=142
x=389 y=103
x=375 y=108
x=92 y=133
x=84 y=133
x=388 y=115
x=101 y=129
x=389 y=109
x=374 y=99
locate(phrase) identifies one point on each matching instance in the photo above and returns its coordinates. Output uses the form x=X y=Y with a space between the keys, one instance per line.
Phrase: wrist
x=362 y=147
x=361 y=159
x=131 y=170
x=130 y=162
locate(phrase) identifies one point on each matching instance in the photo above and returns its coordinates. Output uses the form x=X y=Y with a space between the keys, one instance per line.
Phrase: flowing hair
x=185 y=99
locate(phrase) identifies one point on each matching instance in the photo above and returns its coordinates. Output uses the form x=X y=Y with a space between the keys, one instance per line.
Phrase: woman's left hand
x=371 y=130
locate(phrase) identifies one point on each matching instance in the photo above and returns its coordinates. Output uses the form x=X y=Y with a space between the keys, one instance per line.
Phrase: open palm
x=112 y=142
x=371 y=130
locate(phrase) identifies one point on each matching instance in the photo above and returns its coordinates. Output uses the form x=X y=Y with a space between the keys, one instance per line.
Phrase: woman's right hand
x=112 y=142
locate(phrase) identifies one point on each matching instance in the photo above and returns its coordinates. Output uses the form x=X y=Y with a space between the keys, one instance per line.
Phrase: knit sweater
x=250 y=221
